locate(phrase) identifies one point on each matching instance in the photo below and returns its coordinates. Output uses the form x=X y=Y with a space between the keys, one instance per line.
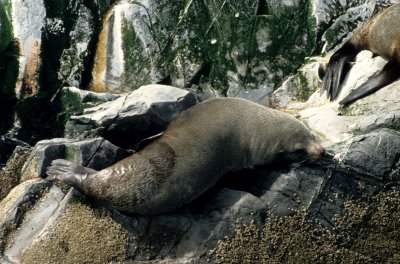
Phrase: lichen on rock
x=366 y=232
x=82 y=235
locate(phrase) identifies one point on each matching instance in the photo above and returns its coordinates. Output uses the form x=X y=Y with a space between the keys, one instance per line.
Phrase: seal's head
x=301 y=146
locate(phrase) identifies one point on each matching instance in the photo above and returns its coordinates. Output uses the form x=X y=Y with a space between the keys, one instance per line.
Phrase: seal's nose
x=315 y=151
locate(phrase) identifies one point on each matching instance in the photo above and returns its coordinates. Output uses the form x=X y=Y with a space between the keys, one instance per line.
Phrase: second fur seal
x=381 y=35
x=203 y=143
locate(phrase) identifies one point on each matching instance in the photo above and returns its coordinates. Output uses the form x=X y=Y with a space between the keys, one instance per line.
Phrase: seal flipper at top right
x=381 y=35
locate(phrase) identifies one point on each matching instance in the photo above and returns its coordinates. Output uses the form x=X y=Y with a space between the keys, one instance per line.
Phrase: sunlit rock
x=28 y=23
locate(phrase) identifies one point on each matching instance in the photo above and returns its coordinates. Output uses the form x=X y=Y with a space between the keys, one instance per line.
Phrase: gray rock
x=374 y=154
x=74 y=100
x=337 y=19
x=365 y=159
x=7 y=147
x=131 y=118
x=297 y=88
x=128 y=55
x=73 y=58
x=94 y=153
x=192 y=42
x=16 y=205
x=28 y=19
x=363 y=165
x=10 y=174
x=34 y=222
x=372 y=112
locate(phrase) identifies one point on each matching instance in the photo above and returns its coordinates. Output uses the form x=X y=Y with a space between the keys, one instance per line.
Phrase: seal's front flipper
x=68 y=172
x=389 y=73
x=144 y=142
x=337 y=70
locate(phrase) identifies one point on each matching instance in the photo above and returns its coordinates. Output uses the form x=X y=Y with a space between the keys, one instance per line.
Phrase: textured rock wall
x=239 y=48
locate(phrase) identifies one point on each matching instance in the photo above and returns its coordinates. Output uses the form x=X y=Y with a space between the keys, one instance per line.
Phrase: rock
x=374 y=154
x=188 y=234
x=364 y=165
x=73 y=101
x=346 y=17
x=50 y=40
x=127 y=55
x=39 y=40
x=74 y=58
x=34 y=221
x=16 y=205
x=28 y=24
x=9 y=65
x=10 y=174
x=101 y=237
x=131 y=118
x=372 y=112
x=193 y=43
x=7 y=147
x=95 y=153
x=298 y=88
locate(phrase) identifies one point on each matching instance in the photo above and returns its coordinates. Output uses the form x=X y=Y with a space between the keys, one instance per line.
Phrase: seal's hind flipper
x=68 y=172
x=337 y=70
x=388 y=74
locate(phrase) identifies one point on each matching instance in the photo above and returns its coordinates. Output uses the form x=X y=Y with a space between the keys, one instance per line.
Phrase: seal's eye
x=299 y=153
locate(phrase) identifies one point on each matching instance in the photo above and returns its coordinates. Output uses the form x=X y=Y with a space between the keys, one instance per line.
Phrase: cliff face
x=240 y=48
x=73 y=69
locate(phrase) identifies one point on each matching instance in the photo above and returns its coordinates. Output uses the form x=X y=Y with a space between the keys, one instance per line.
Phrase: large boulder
x=131 y=118
x=96 y=153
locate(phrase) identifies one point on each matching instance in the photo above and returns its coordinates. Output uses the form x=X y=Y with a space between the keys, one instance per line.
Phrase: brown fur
x=381 y=35
x=202 y=144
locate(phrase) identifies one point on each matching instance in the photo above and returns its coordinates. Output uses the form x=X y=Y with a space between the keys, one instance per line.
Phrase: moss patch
x=367 y=233
x=82 y=235
x=137 y=64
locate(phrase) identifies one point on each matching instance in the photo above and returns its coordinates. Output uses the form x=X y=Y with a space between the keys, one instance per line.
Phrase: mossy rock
x=366 y=232
x=81 y=235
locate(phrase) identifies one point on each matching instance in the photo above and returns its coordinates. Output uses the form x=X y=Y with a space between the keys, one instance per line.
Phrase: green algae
x=137 y=65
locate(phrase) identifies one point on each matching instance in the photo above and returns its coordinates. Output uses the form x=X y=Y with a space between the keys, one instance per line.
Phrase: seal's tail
x=68 y=172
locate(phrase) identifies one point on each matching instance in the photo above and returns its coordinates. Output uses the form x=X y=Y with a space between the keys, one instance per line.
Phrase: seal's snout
x=315 y=151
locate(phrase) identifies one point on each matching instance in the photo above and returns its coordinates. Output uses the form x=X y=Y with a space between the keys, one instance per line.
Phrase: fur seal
x=381 y=35
x=203 y=143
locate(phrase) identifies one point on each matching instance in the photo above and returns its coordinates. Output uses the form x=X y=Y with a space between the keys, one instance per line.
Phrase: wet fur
x=381 y=35
x=195 y=151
